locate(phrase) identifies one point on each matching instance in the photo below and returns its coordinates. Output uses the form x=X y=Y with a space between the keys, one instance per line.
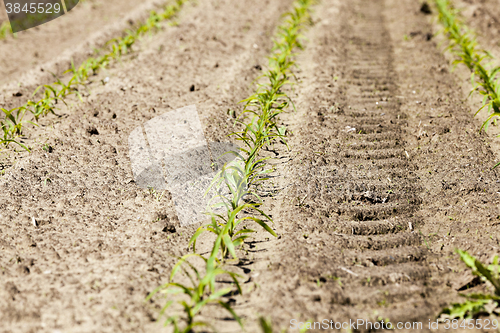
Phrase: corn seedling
x=236 y=179
x=464 y=45
x=58 y=91
x=199 y=293
x=11 y=126
x=478 y=303
x=237 y=176
x=5 y=29
x=265 y=325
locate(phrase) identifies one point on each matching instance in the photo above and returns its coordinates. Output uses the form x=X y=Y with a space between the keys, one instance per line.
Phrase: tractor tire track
x=363 y=191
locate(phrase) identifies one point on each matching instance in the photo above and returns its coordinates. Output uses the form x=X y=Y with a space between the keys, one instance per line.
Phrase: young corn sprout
x=5 y=29
x=193 y=296
x=236 y=176
x=12 y=125
x=478 y=302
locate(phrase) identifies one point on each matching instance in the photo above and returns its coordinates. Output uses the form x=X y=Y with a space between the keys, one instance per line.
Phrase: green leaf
x=494 y=114
x=465 y=310
x=229 y=244
x=193 y=239
x=487 y=274
x=263 y=225
x=235 y=316
x=467 y=259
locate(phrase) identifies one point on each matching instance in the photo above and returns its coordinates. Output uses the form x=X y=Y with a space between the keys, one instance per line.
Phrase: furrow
x=389 y=226
x=402 y=254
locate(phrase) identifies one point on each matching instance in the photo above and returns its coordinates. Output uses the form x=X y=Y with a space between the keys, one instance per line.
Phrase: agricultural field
x=359 y=186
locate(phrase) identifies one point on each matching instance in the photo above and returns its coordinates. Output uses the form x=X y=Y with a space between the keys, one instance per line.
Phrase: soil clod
x=425 y=8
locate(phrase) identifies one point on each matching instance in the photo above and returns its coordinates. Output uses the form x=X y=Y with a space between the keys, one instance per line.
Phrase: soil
x=386 y=175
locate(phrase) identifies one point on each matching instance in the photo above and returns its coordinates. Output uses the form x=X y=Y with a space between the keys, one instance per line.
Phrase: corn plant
x=194 y=296
x=263 y=129
x=478 y=302
x=265 y=325
x=155 y=194
x=12 y=124
x=464 y=45
x=58 y=91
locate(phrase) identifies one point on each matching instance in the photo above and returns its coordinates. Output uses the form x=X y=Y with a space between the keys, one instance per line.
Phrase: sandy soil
x=368 y=219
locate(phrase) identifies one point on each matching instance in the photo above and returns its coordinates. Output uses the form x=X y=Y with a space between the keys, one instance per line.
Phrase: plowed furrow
x=393 y=225
x=380 y=137
x=402 y=254
x=374 y=154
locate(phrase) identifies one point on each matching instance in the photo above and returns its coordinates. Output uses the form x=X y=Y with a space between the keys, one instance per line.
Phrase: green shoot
x=5 y=29
x=156 y=195
x=478 y=302
x=194 y=296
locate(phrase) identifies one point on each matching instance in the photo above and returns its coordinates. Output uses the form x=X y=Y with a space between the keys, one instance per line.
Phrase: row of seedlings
x=463 y=44
x=14 y=120
x=239 y=203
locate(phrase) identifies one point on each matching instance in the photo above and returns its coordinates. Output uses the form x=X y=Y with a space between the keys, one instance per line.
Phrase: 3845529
x=33 y=8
